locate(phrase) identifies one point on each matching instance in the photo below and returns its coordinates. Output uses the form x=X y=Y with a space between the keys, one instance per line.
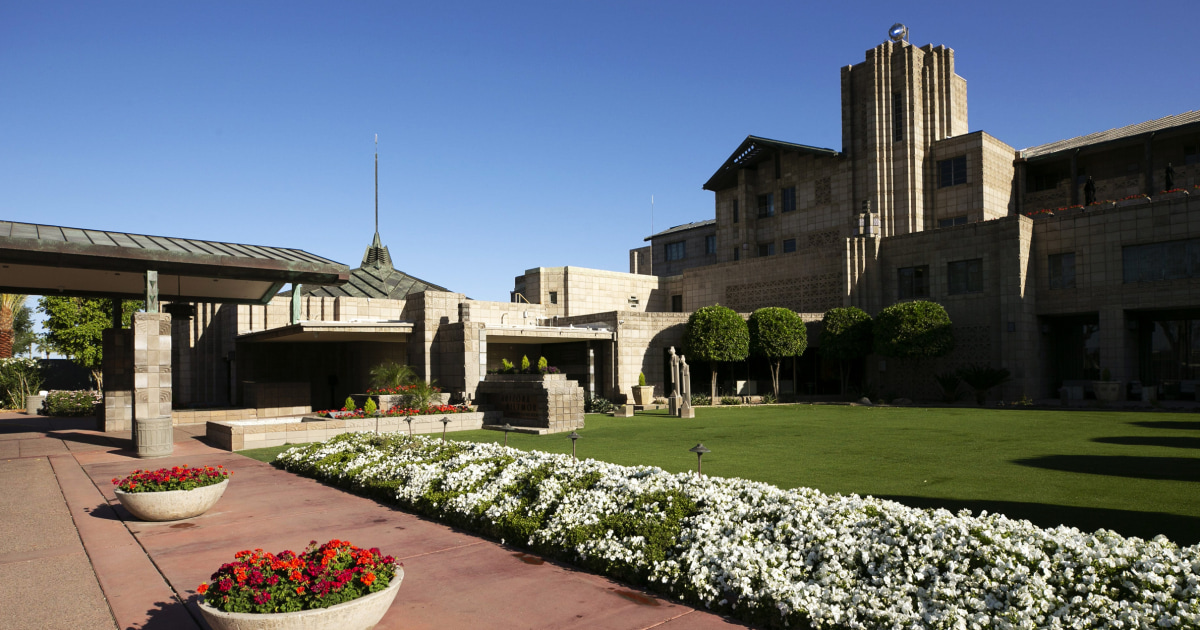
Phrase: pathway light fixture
x=409 y=419
x=507 y=427
x=445 y=423
x=699 y=450
x=574 y=436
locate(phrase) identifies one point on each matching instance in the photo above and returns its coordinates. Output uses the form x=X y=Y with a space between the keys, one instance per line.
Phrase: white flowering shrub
x=780 y=558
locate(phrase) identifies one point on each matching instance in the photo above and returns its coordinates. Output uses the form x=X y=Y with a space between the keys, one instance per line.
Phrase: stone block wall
x=117 y=345
x=541 y=401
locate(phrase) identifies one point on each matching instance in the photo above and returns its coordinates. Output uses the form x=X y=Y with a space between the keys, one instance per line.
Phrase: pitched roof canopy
x=54 y=260
x=750 y=153
x=376 y=278
x=1120 y=133
x=695 y=225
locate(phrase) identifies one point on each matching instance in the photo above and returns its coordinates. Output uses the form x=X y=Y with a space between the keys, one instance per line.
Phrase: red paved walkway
x=141 y=574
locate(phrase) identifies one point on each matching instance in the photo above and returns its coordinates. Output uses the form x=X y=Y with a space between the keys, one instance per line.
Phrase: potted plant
x=1106 y=389
x=171 y=494
x=334 y=585
x=643 y=394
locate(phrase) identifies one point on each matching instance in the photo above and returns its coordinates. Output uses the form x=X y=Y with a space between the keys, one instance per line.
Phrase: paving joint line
x=125 y=524
x=430 y=553
x=91 y=562
x=684 y=614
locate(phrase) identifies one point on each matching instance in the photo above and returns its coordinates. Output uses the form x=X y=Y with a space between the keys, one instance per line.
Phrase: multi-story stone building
x=1043 y=273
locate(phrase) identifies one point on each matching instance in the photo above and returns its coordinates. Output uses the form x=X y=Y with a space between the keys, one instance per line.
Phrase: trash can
x=33 y=404
x=153 y=437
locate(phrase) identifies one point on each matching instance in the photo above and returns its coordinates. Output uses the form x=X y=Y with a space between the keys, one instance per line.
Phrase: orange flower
x=299 y=590
x=368 y=578
x=202 y=589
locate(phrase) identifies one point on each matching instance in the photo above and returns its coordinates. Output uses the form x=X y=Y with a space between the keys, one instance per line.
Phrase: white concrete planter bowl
x=357 y=614
x=171 y=505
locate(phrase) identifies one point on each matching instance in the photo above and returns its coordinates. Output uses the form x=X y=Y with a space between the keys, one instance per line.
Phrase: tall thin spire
x=376 y=186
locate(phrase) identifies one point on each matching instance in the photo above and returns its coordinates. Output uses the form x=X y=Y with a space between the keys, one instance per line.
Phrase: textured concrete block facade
x=543 y=401
x=151 y=365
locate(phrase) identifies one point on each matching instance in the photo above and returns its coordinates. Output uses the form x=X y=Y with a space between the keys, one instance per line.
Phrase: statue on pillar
x=1089 y=192
x=673 y=399
x=1169 y=178
x=685 y=381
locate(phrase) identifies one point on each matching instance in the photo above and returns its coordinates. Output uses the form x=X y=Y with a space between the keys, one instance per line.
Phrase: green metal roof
x=54 y=260
x=376 y=278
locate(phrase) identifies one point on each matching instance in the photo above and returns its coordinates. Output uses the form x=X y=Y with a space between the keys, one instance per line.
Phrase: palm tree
x=9 y=303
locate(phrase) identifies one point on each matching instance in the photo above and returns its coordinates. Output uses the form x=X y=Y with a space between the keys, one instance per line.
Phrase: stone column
x=1114 y=346
x=591 y=378
x=117 y=366
x=154 y=436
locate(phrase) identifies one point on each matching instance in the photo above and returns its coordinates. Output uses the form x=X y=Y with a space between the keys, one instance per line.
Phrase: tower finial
x=376 y=185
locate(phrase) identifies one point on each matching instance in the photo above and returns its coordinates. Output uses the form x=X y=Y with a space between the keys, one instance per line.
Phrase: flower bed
x=175 y=478
x=324 y=576
x=398 y=390
x=394 y=412
x=770 y=556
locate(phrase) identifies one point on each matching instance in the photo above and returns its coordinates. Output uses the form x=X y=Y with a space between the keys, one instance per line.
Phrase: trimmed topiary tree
x=845 y=337
x=776 y=333
x=714 y=334
x=913 y=330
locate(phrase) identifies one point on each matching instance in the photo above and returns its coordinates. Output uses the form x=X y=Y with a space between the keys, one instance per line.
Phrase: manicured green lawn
x=1136 y=473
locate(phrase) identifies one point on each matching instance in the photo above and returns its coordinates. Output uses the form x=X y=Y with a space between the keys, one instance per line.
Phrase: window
x=965 y=276
x=1191 y=155
x=789 y=199
x=677 y=250
x=898 y=116
x=789 y=245
x=913 y=282
x=735 y=210
x=676 y=303
x=766 y=249
x=737 y=254
x=766 y=205
x=710 y=244
x=1172 y=260
x=1062 y=271
x=554 y=297
x=952 y=172
x=1044 y=181
x=953 y=221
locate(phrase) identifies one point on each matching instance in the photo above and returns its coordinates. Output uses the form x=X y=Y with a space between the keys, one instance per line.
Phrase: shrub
x=525 y=364
x=949 y=382
x=701 y=399
x=506 y=367
x=19 y=377
x=913 y=330
x=370 y=408
x=597 y=404
x=390 y=375
x=73 y=403
x=420 y=395
x=845 y=337
x=542 y=365
x=769 y=399
x=776 y=334
x=349 y=406
x=715 y=334
x=731 y=400
x=641 y=379
x=982 y=378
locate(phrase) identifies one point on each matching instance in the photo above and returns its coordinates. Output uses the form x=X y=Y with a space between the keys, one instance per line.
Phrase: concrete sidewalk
x=71 y=557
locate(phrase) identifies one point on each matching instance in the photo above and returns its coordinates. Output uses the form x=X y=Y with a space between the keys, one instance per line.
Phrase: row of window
x=962 y=276
x=678 y=249
x=766 y=203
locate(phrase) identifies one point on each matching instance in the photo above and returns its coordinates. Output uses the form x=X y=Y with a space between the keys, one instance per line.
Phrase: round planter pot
x=171 y=505
x=358 y=614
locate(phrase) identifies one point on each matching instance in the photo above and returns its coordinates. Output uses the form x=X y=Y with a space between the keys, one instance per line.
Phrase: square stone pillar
x=154 y=436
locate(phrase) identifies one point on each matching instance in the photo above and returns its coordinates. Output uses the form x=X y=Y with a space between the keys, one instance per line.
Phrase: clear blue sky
x=511 y=134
